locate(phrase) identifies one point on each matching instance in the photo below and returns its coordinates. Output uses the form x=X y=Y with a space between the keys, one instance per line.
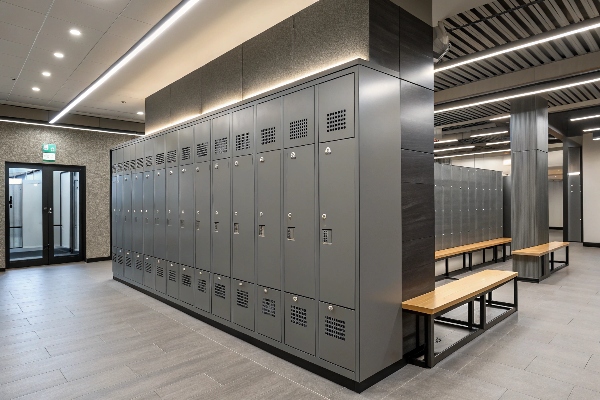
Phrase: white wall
x=495 y=163
x=555 y=202
x=591 y=189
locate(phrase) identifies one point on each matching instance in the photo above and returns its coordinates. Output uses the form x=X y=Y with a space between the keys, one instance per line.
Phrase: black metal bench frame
x=470 y=254
x=546 y=273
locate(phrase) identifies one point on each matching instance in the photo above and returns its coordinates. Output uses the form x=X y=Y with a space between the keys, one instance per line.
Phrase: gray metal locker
x=480 y=205
x=160 y=283
x=139 y=156
x=299 y=216
x=186 y=144
x=172 y=279
x=221 y=217
x=336 y=109
x=268 y=313
x=202 y=141
x=159 y=151
x=242 y=304
x=186 y=284
x=269 y=135
x=221 y=299
x=137 y=212
x=456 y=206
x=242 y=257
x=202 y=215
x=113 y=206
x=160 y=209
x=447 y=222
x=439 y=206
x=115 y=261
x=171 y=148
x=149 y=155
x=118 y=154
x=126 y=211
x=186 y=215
x=472 y=206
x=268 y=202
x=300 y=323
x=148 y=206
x=242 y=131
x=220 y=137
x=120 y=263
x=202 y=290
x=129 y=158
x=149 y=271
x=337 y=198
x=464 y=203
x=337 y=335
x=172 y=226
x=299 y=118
x=138 y=268
x=128 y=265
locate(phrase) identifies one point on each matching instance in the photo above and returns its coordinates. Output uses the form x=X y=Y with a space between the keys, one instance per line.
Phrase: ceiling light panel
x=46 y=73
x=497 y=143
x=499 y=118
x=453 y=148
x=489 y=134
x=70 y=127
x=446 y=141
x=583 y=118
x=591 y=130
x=75 y=32
x=58 y=54
x=471 y=154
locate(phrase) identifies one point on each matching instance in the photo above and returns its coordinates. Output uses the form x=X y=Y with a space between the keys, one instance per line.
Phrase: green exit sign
x=49 y=152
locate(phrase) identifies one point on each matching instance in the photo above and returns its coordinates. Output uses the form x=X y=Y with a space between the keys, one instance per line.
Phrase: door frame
x=48 y=257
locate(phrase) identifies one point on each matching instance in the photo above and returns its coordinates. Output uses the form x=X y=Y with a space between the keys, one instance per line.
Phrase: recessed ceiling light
x=446 y=141
x=58 y=55
x=35 y=89
x=140 y=113
x=75 y=32
x=454 y=148
x=495 y=143
x=489 y=134
x=46 y=73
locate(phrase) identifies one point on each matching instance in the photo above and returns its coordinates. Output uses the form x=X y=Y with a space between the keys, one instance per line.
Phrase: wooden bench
x=542 y=251
x=468 y=249
x=443 y=299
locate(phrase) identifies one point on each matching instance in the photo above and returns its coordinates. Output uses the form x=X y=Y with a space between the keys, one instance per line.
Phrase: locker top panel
x=114 y=167
x=149 y=154
x=299 y=118
x=159 y=151
x=186 y=143
x=129 y=158
x=118 y=159
x=202 y=141
x=220 y=137
x=243 y=131
x=139 y=156
x=269 y=135
x=336 y=108
x=172 y=147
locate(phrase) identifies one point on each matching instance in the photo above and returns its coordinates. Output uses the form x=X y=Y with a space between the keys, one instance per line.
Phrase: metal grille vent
x=220 y=290
x=160 y=271
x=336 y=328
x=172 y=156
x=126 y=166
x=119 y=167
x=114 y=168
x=267 y=136
x=202 y=285
x=299 y=129
x=148 y=266
x=139 y=264
x=336 y=120
x=140 y=163
x=172 y=275
x=221 y=145
x=114 y=257
x=202 y=149
x=298 y=316
x=268 y=307
x=186 y=280
x=186 y=153
x=242 y=141
x=119 y=259
x=160 y=158
x=148 y=161
x=242 y=298
x=128 y=262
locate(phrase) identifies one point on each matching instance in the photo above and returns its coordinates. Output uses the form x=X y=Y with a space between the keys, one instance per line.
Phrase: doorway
x=45 y=214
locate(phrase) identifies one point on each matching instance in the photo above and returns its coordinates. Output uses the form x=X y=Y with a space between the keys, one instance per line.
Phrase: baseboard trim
x=591 y=244
x=348 y=383
x=91 y=260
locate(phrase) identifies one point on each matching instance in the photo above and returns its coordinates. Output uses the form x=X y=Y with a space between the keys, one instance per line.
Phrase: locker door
x=338 y=222
x=268 y=125
x=119 y=159
x=138 y=271
x=299 y=118
x=202 y=215
x=186 y=215
x=268 y=239
x=186 y=281
x=336 y=109
x=299 y=216
x=221 y=217
x=120 y=263
x=202 y=141
x=148 y=215
x=113 y=207
x=149 y=271
x=220 y=132
x=139 y=156
x=173 y=280
x=160 y=209
x=202 y=290
x=172 y=202
x=119 y=215
x=127 y=189
x=159 y=152
x=221 y=299
x=268 y=313
x=186 y=142
x=171 y=146
x=137 y=216
x=242 y=304
x=129 y=263
x=242 y=130
x=300 y=323
x=149 y=155
x=336 y=335
x=115 y=263
x=243 y=219
x=160 y=283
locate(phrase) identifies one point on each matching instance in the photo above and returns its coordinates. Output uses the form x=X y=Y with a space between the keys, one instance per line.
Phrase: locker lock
x=216 y=213
x=183 y=170
x=218 y=277
x=262 y=159
x=198 y=212
x=324 y=216
x=170 y=172
x=158 y=173
x=236 y=163
x=147 y=176
x=216 y=166
x=199 y=272
x=136 y=177
x=328 y=150
x=330 y=308
x=241 y=284
x=293 y=155
x=290 y=215
x=260 y=213
x=266 y=290
x=295 y=298
x=138 y=256
x=184 y=269
x=197 y=169
x=235 y=213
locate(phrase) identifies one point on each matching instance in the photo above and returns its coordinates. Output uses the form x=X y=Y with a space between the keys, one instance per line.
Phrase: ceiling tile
x=55 y=36
x=115 y=6
x=17 y=34
x=3 y=96
x=109 y=49
x=129 y=28
x=88 y=71
x=47 y=90
x=9 y=72
x=14 y=49
x=6 y=84
x=44 y=59
x=11 y=61
x=82 y=14
x=21 y=17
x=28 y=101
x=40 y=6
x=149 y=11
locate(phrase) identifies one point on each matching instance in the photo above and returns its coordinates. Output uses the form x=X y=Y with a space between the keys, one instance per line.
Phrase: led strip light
x=472 y=154
x=70 y=127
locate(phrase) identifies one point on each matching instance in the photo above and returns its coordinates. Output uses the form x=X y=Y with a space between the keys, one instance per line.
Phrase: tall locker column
x=172 y=197
x=160 y=207
x=202 y=217
x=186 y=199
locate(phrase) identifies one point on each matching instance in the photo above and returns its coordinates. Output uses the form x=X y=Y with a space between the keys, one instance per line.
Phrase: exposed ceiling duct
x=441 y=42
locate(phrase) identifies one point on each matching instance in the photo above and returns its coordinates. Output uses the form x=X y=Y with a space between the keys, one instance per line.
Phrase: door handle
x=50 y=210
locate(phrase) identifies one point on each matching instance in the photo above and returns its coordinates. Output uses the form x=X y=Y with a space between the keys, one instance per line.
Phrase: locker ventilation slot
x=242 y=298
x=148 y=267
x=242 y=141
x=202 y=149
x=221 y=146
x=298 y=316
x=114 y=168
x=268 y=307
x=336 y=328
x=202 y=285
x=299 y=129
x=160 y=271
x=336 y=121
x=139 y=264
x=172 y=156
x=126 y=166
x=140 y=163
x=128 y=262
x=119 y=167
x=114 y=257
x=220 y=290
x=148 y=161
x=160 y=158
x=172 y=275
x=186 y=153
x=119 y=259
x=267 y=136
x=186 y=280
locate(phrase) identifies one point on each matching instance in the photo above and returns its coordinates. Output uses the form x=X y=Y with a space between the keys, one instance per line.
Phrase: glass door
x=65 y=216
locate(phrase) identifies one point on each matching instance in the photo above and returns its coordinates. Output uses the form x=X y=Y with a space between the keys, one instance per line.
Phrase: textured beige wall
x=23 y=143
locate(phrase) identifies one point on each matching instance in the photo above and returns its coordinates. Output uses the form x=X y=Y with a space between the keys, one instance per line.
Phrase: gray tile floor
x=70 y=331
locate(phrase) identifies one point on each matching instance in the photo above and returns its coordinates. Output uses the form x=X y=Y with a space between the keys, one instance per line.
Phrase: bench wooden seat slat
x=458 y=291
x=468 y=248
x=541 y=250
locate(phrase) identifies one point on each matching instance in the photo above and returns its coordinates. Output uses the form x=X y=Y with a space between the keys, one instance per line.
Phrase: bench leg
x=543 y=266
x=447 y=273
x=470 y=261
x=567 y=250
x=504 y=252
x=552 y=261
x=496 y=254
x=482 y=310
x=471 y=313
x=464 y=261
x=483 y=256
x=516 y=299
x=490 y=298
x=429 y=341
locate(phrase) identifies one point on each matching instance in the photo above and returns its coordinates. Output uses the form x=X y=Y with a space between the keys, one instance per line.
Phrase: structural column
x=529 y=172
